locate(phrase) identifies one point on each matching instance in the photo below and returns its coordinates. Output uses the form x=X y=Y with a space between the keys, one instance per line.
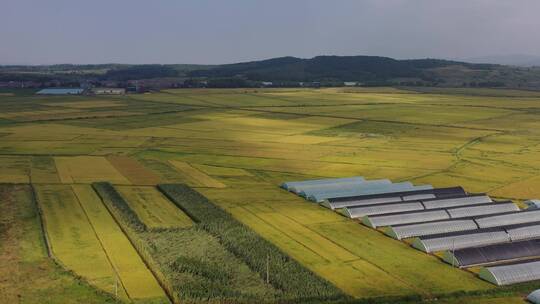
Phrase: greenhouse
x=300 y=185
x=400 y=217
x=482 y=209
x=336 y=203
x=518 y=217
x=524 y=232
x=534 y=297
x=459 y=240
x=373 y=190
x=511 y=274
x=455 y=202
x=360 y=211
x=404 y=218
x=344 y=187
x=422 y=229
x=493 y=253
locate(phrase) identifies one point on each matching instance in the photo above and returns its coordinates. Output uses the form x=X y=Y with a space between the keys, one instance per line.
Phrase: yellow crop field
x=135 y=277
x=73 y=239
x=153 y=208
x=133 y=170
x=196 y=177
x=87 y=169
x=236 y=146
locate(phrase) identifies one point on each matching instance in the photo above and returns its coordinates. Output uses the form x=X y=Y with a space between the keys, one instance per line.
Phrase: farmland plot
x=153 y=208
x=87 y=169
x=73 y=239
x=138 y=281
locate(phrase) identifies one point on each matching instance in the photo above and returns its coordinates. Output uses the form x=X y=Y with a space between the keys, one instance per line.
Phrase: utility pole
x=116 y=286
x=267 y=269
x=453 y=251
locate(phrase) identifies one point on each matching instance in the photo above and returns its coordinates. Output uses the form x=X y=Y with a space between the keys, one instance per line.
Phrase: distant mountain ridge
x=522 y=60
x=282 y=71
x=339 y=68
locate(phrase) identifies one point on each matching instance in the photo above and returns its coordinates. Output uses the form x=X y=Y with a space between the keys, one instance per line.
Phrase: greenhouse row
x=476 y=256
x=415 y=205
x=320 y=190
x=396 y=197
x=437 y=214
x=471 y=229
x=476 y=238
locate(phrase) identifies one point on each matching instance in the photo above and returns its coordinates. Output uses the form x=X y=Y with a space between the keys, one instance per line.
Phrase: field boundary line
x=118 y=277
x=141 y=251
x=50 y=252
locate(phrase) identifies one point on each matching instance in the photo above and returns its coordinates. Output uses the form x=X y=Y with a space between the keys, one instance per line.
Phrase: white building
x=108 y=91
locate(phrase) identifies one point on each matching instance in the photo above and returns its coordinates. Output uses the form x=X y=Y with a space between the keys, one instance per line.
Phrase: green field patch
x=135 y=121
x=366 y=128
x=43 y=170
x=14 y=169
x=222 y=171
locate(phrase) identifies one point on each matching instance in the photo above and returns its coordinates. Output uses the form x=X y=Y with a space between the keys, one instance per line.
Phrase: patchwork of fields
x=236 y=147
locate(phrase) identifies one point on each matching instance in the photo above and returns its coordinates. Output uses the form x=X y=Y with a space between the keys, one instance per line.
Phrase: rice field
x=236 y=146
x=73 y=240
x=85 y=239
x=154 y=209
x=87 y=169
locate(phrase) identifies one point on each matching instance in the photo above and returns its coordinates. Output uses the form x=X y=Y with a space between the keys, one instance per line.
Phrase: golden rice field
x=236 y=146
x=85 y=239
x=153 y=208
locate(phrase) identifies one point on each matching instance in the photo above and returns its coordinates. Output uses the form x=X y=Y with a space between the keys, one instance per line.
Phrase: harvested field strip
x=72 y=238
x=137 y=280
x=133 y=170
x=196 y=177
x=154 y=209
x=87 y=169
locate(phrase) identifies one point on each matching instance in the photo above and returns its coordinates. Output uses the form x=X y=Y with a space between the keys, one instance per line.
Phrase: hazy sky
x=223 y=31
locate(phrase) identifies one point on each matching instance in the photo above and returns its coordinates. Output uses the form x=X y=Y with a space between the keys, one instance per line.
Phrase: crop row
x=261 y=256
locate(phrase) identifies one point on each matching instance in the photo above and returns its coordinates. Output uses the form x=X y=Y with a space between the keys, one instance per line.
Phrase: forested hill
x=282 y=71
x=339 y=68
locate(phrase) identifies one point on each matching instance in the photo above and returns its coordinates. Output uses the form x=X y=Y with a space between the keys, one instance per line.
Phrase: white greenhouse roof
x=511 y=274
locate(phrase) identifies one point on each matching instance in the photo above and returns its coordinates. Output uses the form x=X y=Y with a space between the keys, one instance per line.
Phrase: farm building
x=60 y=91
x=108 y=91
